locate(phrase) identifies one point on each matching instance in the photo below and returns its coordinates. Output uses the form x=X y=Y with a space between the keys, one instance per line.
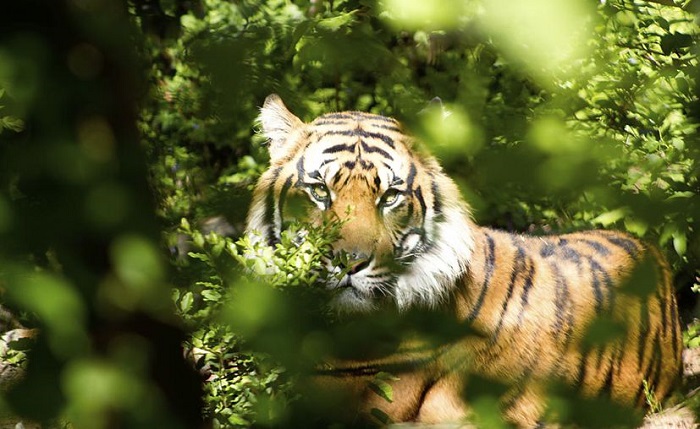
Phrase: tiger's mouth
x=361 y=288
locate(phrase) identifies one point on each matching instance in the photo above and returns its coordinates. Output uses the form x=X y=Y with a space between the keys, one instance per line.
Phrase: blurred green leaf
x=680 y=243
x=380 y=385
x=381 y=416
x=56 y=303
x=337 y=22
x=609 y=218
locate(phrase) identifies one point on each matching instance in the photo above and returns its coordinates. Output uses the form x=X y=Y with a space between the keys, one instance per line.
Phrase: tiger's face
x=401 y=238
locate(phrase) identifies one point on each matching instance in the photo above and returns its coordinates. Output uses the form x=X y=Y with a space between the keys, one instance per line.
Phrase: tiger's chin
x=350 y=300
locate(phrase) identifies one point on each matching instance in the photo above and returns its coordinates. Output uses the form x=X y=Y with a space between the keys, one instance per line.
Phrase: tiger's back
x=595 y=309
x=536 y=303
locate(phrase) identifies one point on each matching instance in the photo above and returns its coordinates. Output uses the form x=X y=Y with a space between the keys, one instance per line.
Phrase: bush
x=561 y=118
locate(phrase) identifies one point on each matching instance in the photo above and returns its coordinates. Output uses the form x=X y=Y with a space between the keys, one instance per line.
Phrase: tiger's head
x=406 y=234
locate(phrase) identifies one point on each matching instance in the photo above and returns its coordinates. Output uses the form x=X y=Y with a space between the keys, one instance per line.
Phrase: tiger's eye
x=319 y=191
x=390 y=197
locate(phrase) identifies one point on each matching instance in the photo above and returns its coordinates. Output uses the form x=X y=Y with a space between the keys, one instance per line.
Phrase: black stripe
x=423 y=206
x=581 y=376
x=355 y=116
x=366 y=166
x=330 y=121
x=300 y=169
x=388 y=127
x=570 y=253
x=437 y=198
x=283 y=197
x=526 y=291
x=378 y=118
x=563 y=304
x=406 y=218
x=640 y=397
x=377 y=183
x=373 y=149
x=643 y=332
x=674 y=317
x=597 y=291
x=608 y=384
x=547 y=250
x=268 y=215
x=421 y=201
x=362 y=134
x=651 y=365
x=664 y=314
x=327 y=161
x=337 y=178
x=599 y=248
x=489 y=266
x=654 y=379
x=338 y=115
x=340 y=148
x=626 y=244
x=270 y=235
x=518 y=268
x=411 y=177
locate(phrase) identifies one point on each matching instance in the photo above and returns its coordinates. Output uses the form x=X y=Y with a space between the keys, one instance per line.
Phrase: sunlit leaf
x=382 y=388
x=337 y=22
x=609 y=218
x=680 y=243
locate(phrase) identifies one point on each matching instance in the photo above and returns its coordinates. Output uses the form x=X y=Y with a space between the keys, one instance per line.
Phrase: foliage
x=558 y=118
x=79 y=251
x=602 y=133
x=240 y=383
x=8 y=122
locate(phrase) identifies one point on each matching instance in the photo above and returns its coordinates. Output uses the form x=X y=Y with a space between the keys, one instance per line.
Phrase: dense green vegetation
x=562 y=116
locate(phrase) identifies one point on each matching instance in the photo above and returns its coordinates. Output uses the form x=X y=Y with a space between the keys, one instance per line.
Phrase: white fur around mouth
x=350 y=300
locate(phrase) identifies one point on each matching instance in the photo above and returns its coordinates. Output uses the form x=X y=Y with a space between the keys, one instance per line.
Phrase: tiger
x=529 y=302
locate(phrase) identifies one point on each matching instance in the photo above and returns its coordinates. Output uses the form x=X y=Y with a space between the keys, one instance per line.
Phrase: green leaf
x=667 y=232
x=259 y=267
x=382 y=388
x=694 y=342
x=675 y=42
x=381 y=416
x=680 y=243
x=186 y=302
x=682 y=194
x=609 y=218
x=211 y=295
x=185 y=225
x=676 y=177
x=21 y=344
x=337 y=22
x=636 y=226
x=200 y=256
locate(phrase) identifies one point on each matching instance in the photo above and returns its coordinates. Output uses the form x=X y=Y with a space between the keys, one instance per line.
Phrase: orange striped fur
x=531 y=300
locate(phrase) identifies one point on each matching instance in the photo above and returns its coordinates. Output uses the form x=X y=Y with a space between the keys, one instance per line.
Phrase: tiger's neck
x=471 y=289
x=431 y=279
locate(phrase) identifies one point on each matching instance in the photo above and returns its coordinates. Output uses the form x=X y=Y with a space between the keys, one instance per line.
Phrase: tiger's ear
x=277 y=123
